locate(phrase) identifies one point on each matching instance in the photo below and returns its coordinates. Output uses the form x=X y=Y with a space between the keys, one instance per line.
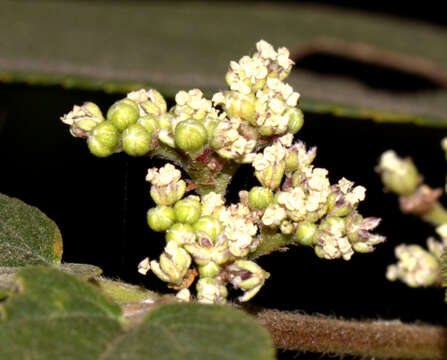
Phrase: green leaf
x=43 y=291
x=194 y=331
x=161 y=49
x=53 y=315
x=123 y=293
x=56 y=316
x=27 y=236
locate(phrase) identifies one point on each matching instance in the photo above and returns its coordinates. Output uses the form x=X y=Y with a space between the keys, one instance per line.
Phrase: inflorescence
x=253 y=122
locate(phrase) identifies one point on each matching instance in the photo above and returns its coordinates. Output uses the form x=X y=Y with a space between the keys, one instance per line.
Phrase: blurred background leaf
x=118 y=46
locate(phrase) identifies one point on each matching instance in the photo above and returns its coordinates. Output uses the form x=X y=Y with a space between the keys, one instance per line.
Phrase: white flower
x=164 y=176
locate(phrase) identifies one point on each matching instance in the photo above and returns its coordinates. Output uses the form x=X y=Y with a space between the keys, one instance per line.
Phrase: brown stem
x=372 y=339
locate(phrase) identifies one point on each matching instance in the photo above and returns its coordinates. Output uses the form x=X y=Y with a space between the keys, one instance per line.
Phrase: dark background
x=100 y=205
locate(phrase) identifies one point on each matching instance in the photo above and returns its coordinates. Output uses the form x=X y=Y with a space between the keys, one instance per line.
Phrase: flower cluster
x=234 y=125
x=205 y=232
x=254 y=122
x=416 y=266
x=299 y=200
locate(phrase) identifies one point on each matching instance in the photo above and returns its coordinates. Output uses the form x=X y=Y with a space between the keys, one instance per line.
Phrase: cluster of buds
x=206 y=233
x=258 y=94
x=418 y=267
x=252 y=122
x=297 y=199
x=234 y=125
x=131 y=124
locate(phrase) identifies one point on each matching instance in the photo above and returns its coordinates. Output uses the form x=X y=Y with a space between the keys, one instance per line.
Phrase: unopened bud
x=190 y=136
x=398 y=175
x=188 y=210
x=209 y=225
x=136 y=141
x=103 y=140
x=160 y=218
x=260 y=197
x=123 y=113
x=305 y=233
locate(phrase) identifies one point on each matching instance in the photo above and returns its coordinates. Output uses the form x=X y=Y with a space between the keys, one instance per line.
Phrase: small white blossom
x=164 y=176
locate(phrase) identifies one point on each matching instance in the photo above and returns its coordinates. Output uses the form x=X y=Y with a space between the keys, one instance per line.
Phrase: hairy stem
x=270 y=241
x=372 y=339
x=205 y=179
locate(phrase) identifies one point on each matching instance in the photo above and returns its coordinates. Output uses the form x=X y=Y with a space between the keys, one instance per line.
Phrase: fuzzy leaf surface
x=27 y=235
x=194 y=331
x=162 y=49
x=56 y=316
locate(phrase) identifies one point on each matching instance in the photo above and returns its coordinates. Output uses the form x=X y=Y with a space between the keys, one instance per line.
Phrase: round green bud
x=209 y=270
x=136 y=141
x=296 y=119
x=180 y=233
x=209 y=225
x=260 y=197
x=123 y=113
x=190 y=136
x=305 y=233
x=160 y=218
x=103 y=140
x=286 y=227
x=149 y=123
x=187 y=210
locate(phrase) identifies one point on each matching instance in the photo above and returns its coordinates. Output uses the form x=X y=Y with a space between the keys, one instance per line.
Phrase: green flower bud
x=190 y=136
x=180 y=233
x=149 y=123
x=241 y=106
x=168 y=195
x=260 y=197
x=209 y=270
x=103 y=140
x=209 y=225
x=296 y=119
x=188 y=210
x=173 y=265
x=136 y=141
x=398 y=175
x=286 y=227
x=123 y=113
x=305 y=233
x=158 y=100
x=211 y=291
x=160 y=218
